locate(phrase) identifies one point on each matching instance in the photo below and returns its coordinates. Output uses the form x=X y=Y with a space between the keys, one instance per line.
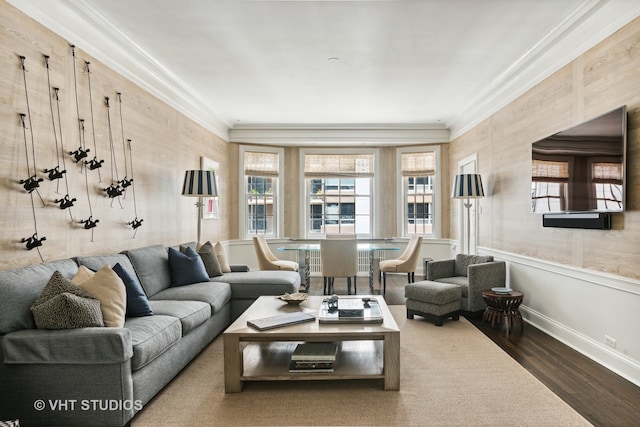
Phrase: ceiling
x=246 y=69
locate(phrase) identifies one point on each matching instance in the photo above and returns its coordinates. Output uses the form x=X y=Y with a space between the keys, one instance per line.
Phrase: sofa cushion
x=96 y=262
x=216 y=294
x=191 y=313
x=151 y=264
x=222 y=257
x=83 y=346
x=63 y=305
x=137 y=301
x=151 y=336
x=107 y=286
x=210 y=260
x=461 y=281
x=464 y=261
x=21 y=287
x=186 y=267
x=252 y=284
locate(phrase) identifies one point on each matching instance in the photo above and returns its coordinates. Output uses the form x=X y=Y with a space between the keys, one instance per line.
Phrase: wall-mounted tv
x=581 y=169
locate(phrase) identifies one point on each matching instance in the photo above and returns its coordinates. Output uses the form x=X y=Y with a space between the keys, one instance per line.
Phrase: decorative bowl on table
x=295 y=298
x=502 y=291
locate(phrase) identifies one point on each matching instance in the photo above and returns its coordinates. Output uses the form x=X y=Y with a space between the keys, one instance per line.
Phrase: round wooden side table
x=503 y=306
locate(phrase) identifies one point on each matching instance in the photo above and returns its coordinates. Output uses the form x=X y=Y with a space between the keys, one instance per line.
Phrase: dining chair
x=266 y=258
x=339 y=258
x=405 y=263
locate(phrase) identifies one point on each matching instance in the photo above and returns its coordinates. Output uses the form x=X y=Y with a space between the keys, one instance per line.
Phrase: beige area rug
x=450 y=376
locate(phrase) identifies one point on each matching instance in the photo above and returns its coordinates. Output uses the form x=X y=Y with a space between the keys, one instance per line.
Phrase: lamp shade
x=467 y=186
x=200 y=183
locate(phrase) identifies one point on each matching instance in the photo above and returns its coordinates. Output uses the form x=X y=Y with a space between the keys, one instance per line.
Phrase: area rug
x=450 y=376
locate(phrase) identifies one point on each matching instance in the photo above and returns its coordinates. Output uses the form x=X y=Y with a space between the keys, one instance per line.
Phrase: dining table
x=373 y=248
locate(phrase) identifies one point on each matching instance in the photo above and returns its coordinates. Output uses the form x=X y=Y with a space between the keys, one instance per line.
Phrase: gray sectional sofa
x=102 y=376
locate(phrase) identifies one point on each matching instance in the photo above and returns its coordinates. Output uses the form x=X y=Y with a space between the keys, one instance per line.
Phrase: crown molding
x=83 y=26
x=93 y=33
x=339 y=135
x=587 y=26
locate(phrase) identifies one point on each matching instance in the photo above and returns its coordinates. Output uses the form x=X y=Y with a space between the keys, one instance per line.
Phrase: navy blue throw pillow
x=186 y=268
x=137 y=302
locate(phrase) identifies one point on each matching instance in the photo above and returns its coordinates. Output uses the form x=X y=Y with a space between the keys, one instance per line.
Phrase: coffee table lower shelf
x=269 y=361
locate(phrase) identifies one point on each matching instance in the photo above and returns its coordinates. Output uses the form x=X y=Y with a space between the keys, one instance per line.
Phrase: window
x=339 y=194
x=418 y=171
x=260 y=190
x=607 y=182
x=549 y=185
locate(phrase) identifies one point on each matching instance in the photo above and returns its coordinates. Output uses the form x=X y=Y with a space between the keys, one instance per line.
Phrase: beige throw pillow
x=107 y=286
x=222 y=258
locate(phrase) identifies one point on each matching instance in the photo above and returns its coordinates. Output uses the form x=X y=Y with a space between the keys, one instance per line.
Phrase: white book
x=316 y=351
x=281 y=320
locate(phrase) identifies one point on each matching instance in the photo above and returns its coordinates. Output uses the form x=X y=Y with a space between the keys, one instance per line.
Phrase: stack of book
x=314 y=357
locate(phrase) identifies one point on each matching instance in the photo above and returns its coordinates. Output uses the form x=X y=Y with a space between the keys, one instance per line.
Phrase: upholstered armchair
x=266 y=258
x=472 y=273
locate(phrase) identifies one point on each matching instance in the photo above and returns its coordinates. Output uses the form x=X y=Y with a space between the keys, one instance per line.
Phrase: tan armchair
x=267 y=260
x=405 y=263
x=473 y=274
x=339 y=258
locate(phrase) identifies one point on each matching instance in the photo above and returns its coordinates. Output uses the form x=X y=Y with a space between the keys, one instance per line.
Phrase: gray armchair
x=473 y=274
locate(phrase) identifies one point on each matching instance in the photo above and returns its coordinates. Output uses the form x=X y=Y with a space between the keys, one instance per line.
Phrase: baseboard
x=594 y=350
x=578 y=307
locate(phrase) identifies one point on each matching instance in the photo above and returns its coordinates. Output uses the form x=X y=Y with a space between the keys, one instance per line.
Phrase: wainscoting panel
x=580 y=307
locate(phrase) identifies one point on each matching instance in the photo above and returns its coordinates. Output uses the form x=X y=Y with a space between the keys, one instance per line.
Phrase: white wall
x=579 y=307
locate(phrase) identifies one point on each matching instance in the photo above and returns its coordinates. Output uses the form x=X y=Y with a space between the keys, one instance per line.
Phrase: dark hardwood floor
x=598 y=394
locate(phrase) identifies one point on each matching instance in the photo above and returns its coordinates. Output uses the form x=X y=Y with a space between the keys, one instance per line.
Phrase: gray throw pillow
x=63 y=305
x=210 y=260
x=464 y=261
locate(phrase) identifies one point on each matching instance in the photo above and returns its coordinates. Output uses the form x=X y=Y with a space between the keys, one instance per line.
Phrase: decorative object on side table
x=294 y=299
x=350 y=310
x=503 y=303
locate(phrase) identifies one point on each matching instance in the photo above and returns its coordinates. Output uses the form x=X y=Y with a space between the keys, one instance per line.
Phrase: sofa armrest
x=83 y=346
x=239 y=268
x=439 y=269
x=487 y=275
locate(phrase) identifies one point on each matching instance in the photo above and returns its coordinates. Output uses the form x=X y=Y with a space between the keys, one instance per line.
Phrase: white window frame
x=437 y=191
x=279 y=196
x=305 y=212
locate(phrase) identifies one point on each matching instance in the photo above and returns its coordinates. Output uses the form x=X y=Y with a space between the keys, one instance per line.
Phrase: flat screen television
x=581 y=169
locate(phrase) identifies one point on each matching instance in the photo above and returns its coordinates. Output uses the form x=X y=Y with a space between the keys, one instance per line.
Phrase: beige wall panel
x=291 y=195
x=600 y=80
x=164 y=145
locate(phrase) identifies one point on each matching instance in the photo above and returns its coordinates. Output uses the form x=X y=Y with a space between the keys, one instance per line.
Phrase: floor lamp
x=467 y=186
x=200 y=183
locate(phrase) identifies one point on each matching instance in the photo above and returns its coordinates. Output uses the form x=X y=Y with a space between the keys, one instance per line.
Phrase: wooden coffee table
x=367 y=351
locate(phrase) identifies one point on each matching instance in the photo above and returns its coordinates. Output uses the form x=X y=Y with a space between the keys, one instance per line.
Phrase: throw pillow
x=222 y=258
x=137 y=301
x=186 y=268
x=62 y=305
x=83 y=273
x=210 y=260
x=109 y=289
